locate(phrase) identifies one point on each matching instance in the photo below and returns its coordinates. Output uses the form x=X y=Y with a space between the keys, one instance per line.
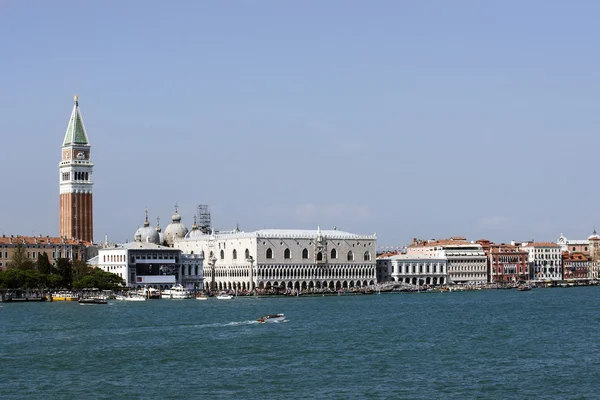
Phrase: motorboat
x=524 y=288
x=92 y=300
x=64 y=296
x=176 y=292
x=201 y=296
x=131 y=297
x=271 y=318
x=224 y=296
x=149 y=293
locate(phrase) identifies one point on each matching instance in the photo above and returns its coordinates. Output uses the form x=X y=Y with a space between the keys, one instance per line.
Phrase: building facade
x=418 y=269
x=545 y=261
x=75 y=182
x=573 y=246
x=575 y=267
x=276 y=260
x=466 y=261
x=143 y=264
x=33 y=246
x=506 y=262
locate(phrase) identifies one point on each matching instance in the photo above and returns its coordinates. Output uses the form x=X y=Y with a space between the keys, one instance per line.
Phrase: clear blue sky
x=404 y=118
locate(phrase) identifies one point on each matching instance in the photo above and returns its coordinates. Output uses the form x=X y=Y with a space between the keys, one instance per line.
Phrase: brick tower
x=76 y=212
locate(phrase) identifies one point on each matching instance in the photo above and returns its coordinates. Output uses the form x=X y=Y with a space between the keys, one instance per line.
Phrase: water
x=484 y=344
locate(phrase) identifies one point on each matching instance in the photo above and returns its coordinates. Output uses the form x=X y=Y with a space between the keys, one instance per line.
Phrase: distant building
x=33 y=246
x=575 y=266
x=417 y=269
x=466 y=261
x=506 y=262
x=573 y=246
x=142 y=264
x=545 y=261
x=75 y=182
x=283 y=259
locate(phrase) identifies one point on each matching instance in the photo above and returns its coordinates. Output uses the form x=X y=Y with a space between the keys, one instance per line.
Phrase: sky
x=407 y=119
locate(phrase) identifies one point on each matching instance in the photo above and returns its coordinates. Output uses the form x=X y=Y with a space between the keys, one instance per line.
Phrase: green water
x=484 y=344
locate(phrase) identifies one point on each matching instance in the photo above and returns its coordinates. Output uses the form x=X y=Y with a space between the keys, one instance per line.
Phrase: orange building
x=33 y=246
x=75 y=178
x=575 y=266
x=506 y=262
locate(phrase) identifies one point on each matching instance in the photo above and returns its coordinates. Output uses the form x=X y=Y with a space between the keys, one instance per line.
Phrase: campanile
x=75 y=177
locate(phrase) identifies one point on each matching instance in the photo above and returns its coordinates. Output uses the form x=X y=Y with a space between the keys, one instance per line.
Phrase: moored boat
x=224 y=296
x=201 y=296
x=176 y=292
x=93 y=300
x=524 y=288
x=64 y=296
x=271 y=318
x=132 y=297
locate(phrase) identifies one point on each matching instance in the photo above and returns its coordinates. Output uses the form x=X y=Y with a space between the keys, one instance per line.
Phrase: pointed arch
x=247 y=254
x=319 y=256
x=287 y=254
x=222 y=254
x=304 y=254
x=367 y=256
x=234 y=254
x=269 y=254
x=350 y=256
x=333 y=254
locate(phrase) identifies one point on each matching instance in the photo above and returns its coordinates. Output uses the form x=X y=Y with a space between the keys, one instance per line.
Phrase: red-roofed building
x=54 y=247
x=575 y=266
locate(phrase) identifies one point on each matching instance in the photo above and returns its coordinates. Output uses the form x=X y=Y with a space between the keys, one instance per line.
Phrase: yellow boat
x=64 y=296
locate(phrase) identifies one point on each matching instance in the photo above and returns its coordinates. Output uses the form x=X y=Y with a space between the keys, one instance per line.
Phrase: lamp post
x=211 y=262
x=251 y=261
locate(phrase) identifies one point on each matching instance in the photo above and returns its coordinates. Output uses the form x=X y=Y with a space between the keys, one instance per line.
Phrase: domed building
x=195 y=233
x=161 y=235
x=147 y=234
x=175 y=230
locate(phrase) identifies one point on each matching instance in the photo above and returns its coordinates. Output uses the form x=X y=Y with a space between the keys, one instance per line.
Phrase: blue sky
x=404 y=118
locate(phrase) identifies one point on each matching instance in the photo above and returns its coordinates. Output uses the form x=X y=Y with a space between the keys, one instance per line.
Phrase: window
x=319 y=256
x=222 y=255
x=305 y=254
x=234 y=254
x=269 y=253
x=247 y=254
x=333 y=254
x=287 y=254
x=367 y=256
x=350 y=256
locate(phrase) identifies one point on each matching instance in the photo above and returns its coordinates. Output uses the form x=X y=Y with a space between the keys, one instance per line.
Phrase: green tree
x=43 y=264
x=65 y=271
x=80 y=270
x=20 y=260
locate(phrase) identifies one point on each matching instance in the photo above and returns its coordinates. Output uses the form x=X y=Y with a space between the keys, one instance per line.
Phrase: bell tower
x=75 y=181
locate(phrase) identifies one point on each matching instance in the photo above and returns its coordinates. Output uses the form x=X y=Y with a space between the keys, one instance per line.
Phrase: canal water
x=482 y=344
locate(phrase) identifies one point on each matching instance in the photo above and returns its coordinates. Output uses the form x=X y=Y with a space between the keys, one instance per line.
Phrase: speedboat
x=92 y=300
x=201 y=296
x=176 y=292
x=224 y=296
x=524 y=288
x=271 y=318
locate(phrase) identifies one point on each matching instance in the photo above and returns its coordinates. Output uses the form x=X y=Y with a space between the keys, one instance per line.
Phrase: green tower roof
x=76 y=130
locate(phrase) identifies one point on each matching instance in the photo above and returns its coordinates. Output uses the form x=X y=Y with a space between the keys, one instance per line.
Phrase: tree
x=80 y=270
x=20 y=260
x=43 y=264
x=65 y=270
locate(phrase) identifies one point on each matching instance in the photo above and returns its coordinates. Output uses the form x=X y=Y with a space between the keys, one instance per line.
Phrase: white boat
x=133 y=297
x=201 y=297
x=176 y=292
x=271 y=318
x=224 y=296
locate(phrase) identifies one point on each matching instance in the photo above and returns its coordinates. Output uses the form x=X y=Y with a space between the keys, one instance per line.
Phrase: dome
x=175 y=230
x=161 y=235
x=594 y=236
x=147 y=233
x=195 y=233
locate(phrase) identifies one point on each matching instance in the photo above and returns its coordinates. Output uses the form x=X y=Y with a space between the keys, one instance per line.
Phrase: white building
x=418 y=269
x=466 y=262
x=142 y=264
x=279 y=260
x=545 y=260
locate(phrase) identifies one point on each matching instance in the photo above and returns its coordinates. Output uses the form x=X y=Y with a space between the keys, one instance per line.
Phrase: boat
x=176 y=292
x=524 y=288
x=271 y=318
x=149 y=293
x=201 y=296
x=64 y=296
x=131 y=297
x=224 y=296
x=92 y=300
